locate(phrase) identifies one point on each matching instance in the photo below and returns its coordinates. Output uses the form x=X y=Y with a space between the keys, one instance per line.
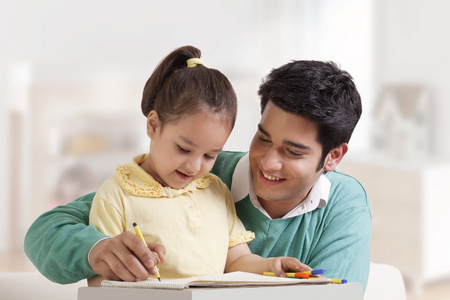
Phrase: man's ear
x=335 y=156
x=153 y=124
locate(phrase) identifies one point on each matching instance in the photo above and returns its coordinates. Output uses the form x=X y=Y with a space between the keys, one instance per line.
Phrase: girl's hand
x=240 y=258
x=281 y=265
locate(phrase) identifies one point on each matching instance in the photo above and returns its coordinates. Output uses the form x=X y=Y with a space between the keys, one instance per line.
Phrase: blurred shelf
x=410 y=211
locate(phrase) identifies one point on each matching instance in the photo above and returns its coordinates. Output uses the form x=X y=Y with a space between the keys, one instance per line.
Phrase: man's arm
x=59 y=241
x=344 y=245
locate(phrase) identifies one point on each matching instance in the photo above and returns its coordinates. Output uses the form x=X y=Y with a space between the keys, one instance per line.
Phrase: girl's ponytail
x=172 y=63
x=181 y=86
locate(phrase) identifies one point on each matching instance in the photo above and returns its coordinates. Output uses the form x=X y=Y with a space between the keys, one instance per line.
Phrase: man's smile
x=269 y=179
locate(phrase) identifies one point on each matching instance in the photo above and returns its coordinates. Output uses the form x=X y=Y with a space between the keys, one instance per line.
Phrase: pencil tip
x=159 y=279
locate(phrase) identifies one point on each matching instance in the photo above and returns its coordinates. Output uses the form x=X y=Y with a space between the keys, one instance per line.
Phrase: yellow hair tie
x=192 y=62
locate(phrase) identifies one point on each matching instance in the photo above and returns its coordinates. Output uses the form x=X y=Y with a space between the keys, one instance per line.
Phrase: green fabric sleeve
x=344 y=244
x=346 y=252
x=59 y=241
x=225 y=164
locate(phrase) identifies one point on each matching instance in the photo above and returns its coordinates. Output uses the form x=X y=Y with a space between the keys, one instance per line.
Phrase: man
x=286 y=190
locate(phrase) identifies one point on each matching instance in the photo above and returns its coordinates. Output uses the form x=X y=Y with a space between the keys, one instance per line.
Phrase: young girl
x=191 y=111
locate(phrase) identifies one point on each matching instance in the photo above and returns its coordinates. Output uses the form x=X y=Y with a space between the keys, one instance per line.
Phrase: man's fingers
x=112 y=268
x=114 y=263
x=125 y=257
x=114 y=259
x=107 y=273
x=118 y=271
x=159 y=252
x=143 y=253
x=127 y=266
x=135 y=256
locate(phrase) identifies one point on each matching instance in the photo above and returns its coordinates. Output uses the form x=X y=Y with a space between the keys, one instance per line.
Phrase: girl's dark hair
x=175 y=91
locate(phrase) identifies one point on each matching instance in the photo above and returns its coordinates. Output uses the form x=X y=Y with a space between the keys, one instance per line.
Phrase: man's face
x=284 y=156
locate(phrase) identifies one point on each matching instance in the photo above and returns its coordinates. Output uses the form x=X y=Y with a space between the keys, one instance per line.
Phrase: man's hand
x=125 y=257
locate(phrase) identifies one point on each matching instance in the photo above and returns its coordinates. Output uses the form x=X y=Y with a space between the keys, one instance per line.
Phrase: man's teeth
x=270 y=177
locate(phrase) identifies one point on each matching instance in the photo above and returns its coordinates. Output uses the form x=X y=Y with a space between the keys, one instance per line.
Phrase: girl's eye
x=212 y=157
x=183 y=150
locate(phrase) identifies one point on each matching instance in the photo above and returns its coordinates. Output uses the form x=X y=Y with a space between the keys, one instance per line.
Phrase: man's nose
x=271 y=160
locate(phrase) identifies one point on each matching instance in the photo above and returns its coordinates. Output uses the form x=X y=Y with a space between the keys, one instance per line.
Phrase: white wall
x=413 y=46
x=95 y=56
x=342 y=31
x=4 y=184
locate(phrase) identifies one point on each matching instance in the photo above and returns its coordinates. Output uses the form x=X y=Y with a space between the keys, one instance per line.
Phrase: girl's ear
x=153 y=124
x=334 y=157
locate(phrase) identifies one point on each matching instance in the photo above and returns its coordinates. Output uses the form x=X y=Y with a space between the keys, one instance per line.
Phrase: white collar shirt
x=242 y=186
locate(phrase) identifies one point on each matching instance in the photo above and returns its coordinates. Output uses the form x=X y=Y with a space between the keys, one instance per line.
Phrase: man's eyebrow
x=297 y=145
x=262 y=130
x=286 y=142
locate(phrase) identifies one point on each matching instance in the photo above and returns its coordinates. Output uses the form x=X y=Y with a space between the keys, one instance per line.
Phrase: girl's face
x=186 y=150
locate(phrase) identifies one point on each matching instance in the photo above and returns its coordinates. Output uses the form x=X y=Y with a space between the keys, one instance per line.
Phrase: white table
x=349 y=291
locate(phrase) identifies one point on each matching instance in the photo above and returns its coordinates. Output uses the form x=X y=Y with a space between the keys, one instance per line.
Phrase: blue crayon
x=317 y=272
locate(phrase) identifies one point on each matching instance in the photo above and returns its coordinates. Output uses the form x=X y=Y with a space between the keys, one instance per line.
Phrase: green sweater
x=335 y=238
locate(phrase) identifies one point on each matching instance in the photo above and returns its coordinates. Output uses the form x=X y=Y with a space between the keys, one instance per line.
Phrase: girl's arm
x=240 y=258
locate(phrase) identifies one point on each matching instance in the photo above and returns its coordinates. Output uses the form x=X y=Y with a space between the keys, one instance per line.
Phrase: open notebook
x=234 y=279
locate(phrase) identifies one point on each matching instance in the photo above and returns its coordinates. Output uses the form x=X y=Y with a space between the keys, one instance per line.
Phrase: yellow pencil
x=139 y=234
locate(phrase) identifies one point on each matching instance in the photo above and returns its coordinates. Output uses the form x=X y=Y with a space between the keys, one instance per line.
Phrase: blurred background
x=72 y=75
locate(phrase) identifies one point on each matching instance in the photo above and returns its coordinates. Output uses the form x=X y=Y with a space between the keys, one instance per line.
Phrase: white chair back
x=385 y=283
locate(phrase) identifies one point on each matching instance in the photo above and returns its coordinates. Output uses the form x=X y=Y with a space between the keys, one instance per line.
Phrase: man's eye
x=294 y=153
x=263 y=139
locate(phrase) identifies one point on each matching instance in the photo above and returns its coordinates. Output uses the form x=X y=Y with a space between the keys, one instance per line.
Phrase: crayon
x=339 y=281
x=289 y=274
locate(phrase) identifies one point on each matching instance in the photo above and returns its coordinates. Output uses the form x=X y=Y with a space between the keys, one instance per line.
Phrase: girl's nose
x=194 y=165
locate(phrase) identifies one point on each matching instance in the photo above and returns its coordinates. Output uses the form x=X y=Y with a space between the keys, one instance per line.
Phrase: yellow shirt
x=196 y=224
